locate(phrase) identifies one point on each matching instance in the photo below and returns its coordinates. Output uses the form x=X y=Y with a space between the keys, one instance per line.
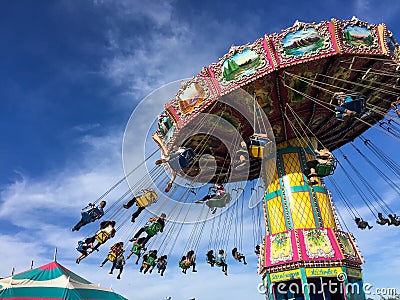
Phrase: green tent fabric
x=52 y=281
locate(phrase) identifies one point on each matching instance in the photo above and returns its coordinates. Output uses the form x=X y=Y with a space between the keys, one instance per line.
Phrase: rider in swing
x=153 y=226
x=256 y=139
x=361 y=224
x=90 y=214
x=138 y=249
x=106 y=231
x=323 y=156
x=175 y=162
x=342 y=113
x=149 y=197
x=216 y=194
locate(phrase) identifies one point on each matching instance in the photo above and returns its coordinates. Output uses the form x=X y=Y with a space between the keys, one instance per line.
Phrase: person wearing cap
x=90 y=214
x=152 y=227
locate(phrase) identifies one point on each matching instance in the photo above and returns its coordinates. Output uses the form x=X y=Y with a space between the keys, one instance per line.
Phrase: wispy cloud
x=362 y=7
x=172 y=50
x=86 y=127
x=60 y=195
x=157 y=12
x=377 y=11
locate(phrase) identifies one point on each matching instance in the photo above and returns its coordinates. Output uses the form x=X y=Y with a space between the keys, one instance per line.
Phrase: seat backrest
x=227 y=197
x=151 y=261
x=102 y=236
x=257 y=151
x=186 y=158
x=146 y=199
x=324 y=169
x=94 y=212
x=136 y=249
x=111 y=256
x=153 y=229
x=80 y=246
x=357 y=104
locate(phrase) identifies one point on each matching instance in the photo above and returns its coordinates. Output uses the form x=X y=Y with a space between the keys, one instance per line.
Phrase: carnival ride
x=311 y=86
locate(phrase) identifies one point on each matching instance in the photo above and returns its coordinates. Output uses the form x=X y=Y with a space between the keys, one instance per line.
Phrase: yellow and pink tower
x=305 y=254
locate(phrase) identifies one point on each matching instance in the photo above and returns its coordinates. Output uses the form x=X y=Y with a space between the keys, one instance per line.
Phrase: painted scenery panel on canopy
x=358 y=36
x=302 y=41
x=240 y=64
x=192 y=97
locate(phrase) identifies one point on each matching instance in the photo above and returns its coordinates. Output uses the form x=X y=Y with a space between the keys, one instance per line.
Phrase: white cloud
x=144 y=61
x=158 y=12
x=69 y=188
x=362 y=7
x=376 y=11
x=86 y=127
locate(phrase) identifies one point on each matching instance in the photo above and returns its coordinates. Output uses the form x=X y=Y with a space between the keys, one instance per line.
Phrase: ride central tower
x=305 y=254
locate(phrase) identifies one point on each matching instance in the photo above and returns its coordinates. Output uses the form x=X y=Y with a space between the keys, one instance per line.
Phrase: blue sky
x=72 y=72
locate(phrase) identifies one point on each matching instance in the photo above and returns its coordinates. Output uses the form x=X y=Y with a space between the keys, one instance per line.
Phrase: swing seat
x=91 y=214
x=136 y=249
x=218 y=263
x=257 y=151
x=323 y=170
x=183 y=160
x=151 y=261
x=112 y=256
x=355 y=105
x=258 y=147
x=80 y=246
x=147 y=199
x=102 y=236
x=219 y=202
x=119 y=265
x=353 y=102
x=153 y=229
x=182 y=265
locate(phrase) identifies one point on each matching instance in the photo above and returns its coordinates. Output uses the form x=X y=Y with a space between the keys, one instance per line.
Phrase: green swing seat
x=218 y=263
x=219 y=202
x=151 y=261
x=153 y=229
x=323 y=170
x=136 y=249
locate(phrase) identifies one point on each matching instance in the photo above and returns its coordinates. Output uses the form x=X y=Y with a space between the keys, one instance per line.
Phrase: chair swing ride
x=264 y=116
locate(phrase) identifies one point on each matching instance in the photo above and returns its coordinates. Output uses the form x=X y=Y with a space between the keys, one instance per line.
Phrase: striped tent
x=52 y=281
